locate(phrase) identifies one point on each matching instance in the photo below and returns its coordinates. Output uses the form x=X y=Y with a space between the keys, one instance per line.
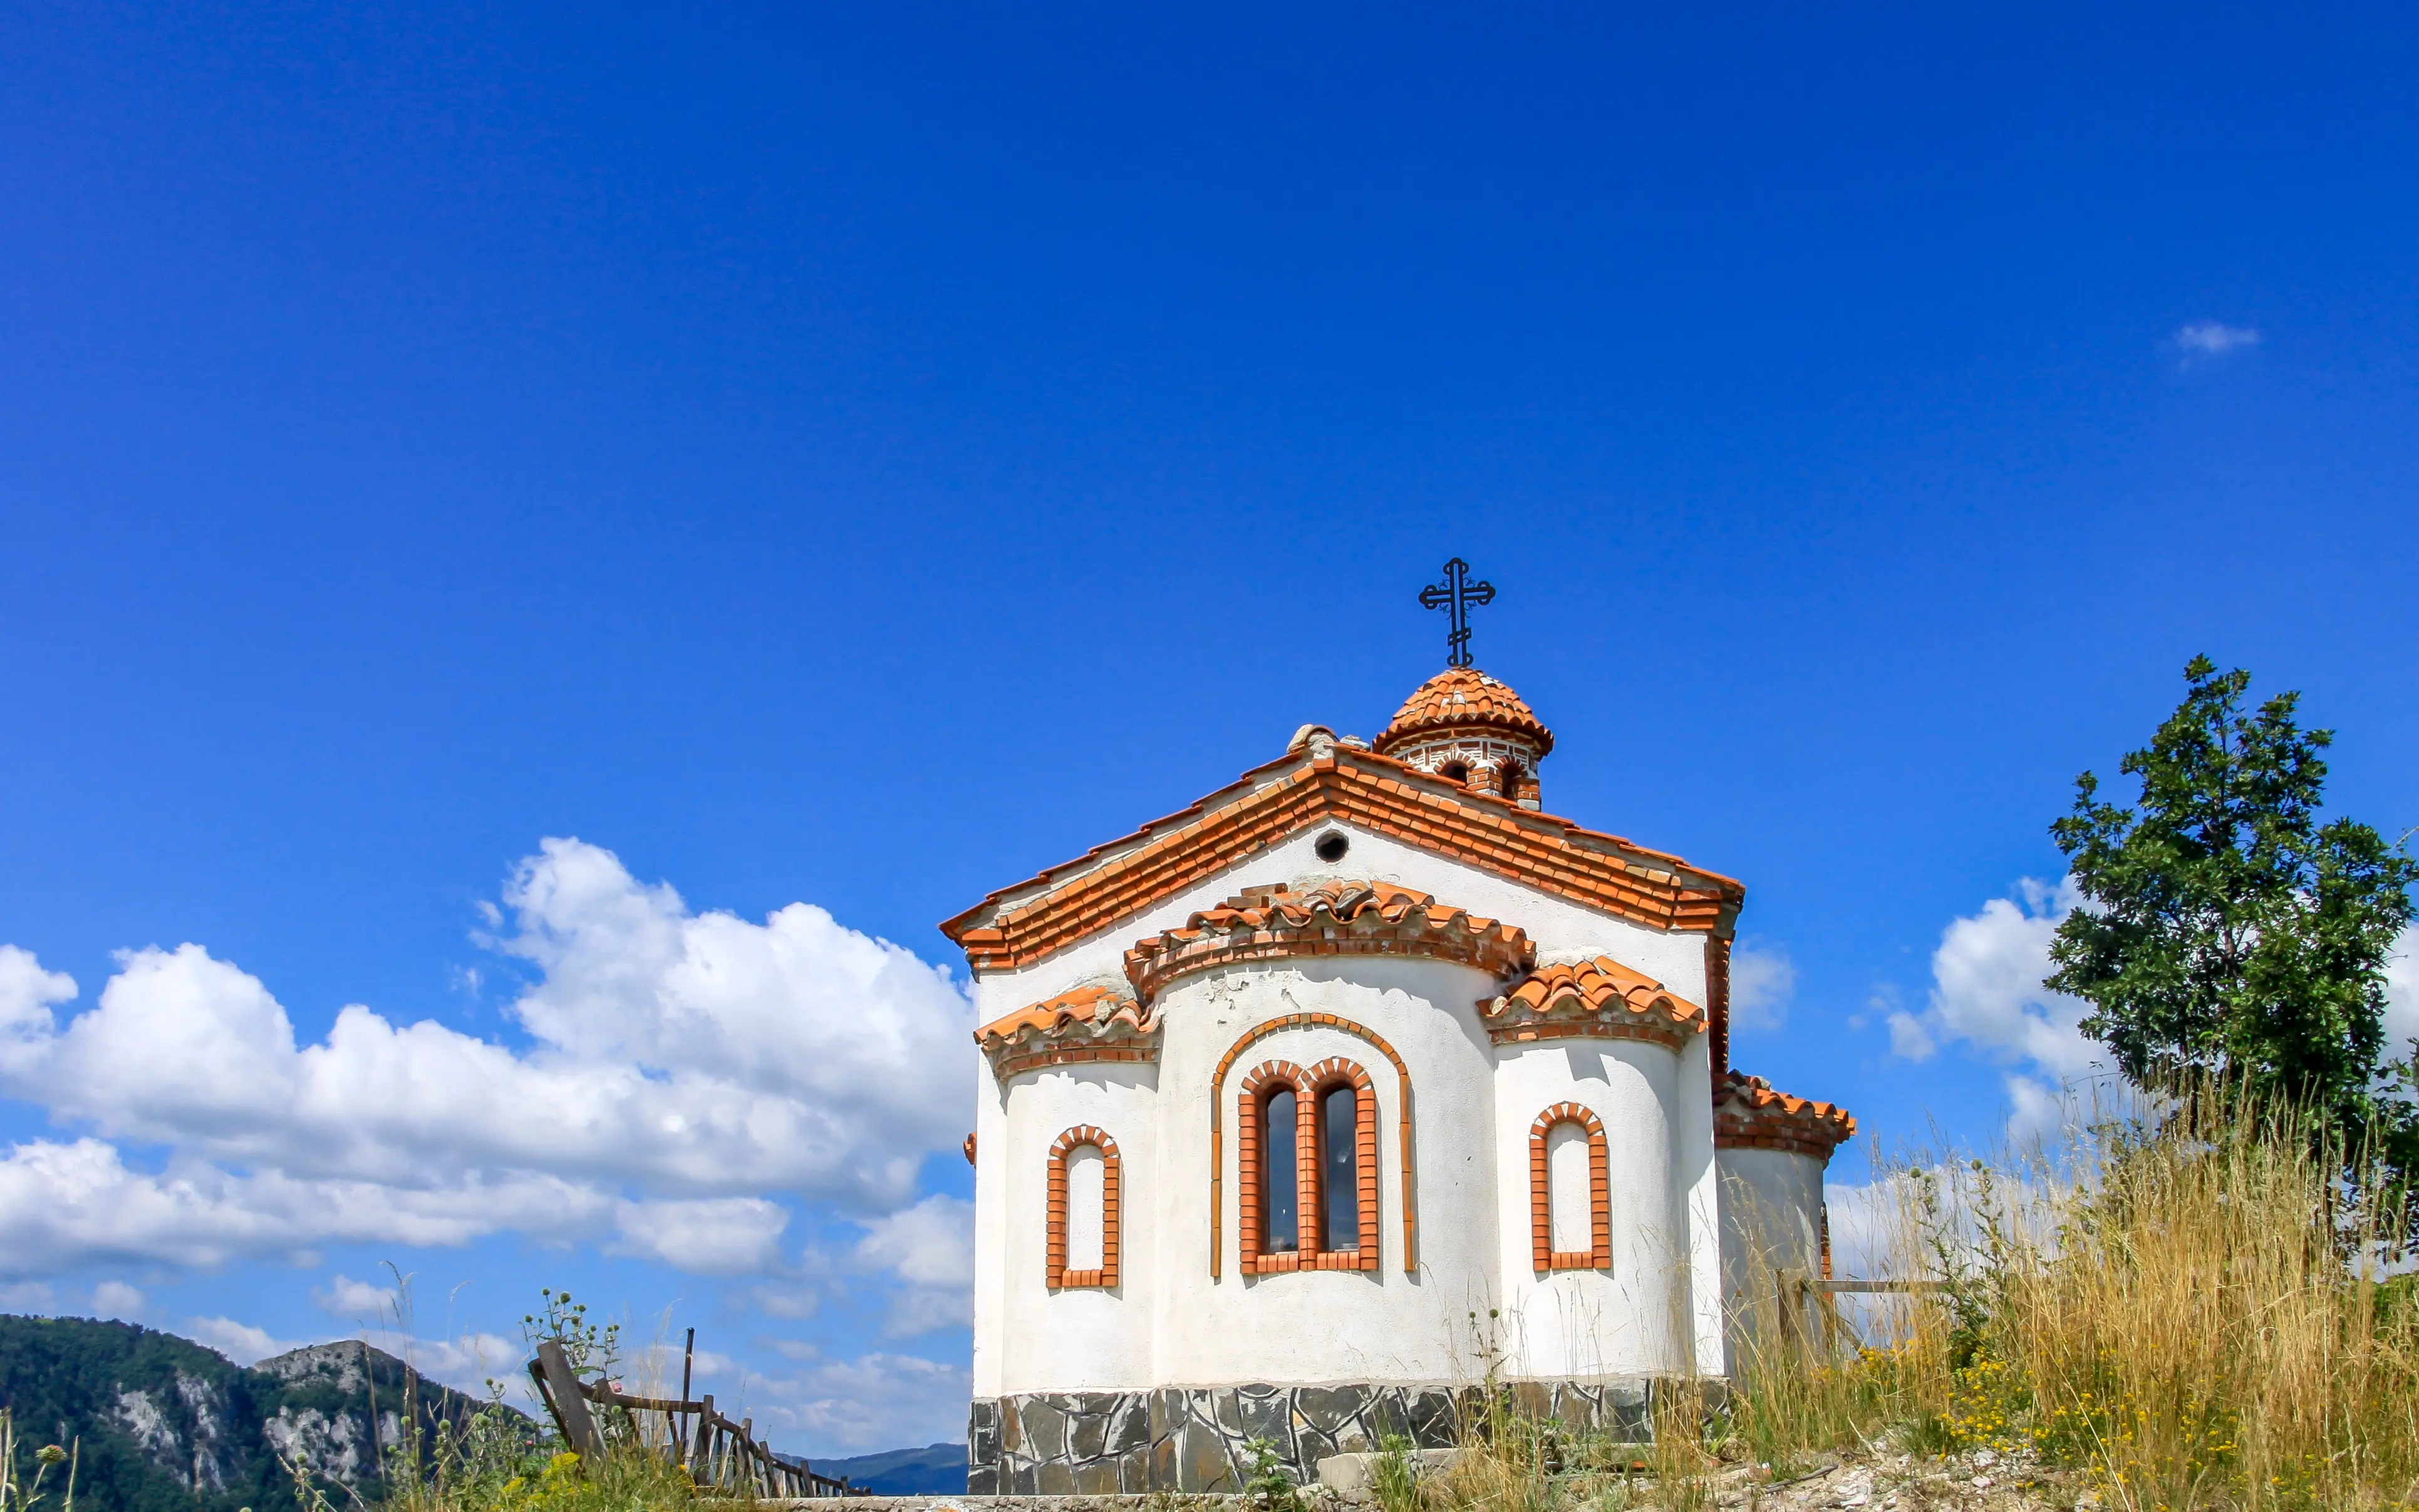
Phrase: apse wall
x=1333 y=1325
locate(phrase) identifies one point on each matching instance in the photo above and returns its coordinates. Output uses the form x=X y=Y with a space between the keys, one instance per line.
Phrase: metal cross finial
x=1456 y=595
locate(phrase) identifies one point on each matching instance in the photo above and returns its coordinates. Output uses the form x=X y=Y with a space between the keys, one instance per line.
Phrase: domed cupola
x=1467 y=726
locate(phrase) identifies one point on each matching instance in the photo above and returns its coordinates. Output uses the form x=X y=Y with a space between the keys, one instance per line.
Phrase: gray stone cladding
x=1191 y=1439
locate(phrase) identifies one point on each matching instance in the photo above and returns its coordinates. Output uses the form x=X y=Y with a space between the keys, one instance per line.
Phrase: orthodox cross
x=1456 y=595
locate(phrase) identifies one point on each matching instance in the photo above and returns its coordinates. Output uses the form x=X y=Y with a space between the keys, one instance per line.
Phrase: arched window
x=1307 y=1158
x=1458 y=771
x=1280 y=1199
x=1570 y=1191
x=1507 y=780
x=1084 y=1177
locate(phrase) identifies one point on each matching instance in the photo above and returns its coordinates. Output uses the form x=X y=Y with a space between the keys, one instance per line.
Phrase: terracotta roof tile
x=1082 y=1024
x=1601 y=994
x=1750 y=1115
x=1018 y=925
x=1463 y=698
x=1330 y=919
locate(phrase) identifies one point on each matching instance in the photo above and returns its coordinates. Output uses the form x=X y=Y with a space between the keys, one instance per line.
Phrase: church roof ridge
x=1336 y=918
x=1594 y=867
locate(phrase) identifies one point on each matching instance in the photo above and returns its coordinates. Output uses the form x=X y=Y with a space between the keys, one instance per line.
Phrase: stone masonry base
x=1191 y=1439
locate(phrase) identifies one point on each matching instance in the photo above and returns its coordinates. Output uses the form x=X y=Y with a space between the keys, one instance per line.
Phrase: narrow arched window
x=1339 y=1168
x=1281 y=1209
x=1456 y=770
x=1508 y=780
x=1271 y=1140
x=1570 y=1191
x=1083 y=1198
x=1341 y=1182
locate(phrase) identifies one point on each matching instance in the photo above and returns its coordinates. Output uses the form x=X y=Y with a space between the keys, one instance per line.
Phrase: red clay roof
x=1031 y=920
x=1750 y=1115
x=1332 y=919
x=1094 y=1007
x=1590 y=988
x=1464 y=698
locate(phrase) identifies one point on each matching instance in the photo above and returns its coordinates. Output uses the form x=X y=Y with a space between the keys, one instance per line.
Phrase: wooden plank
x=569 y=1402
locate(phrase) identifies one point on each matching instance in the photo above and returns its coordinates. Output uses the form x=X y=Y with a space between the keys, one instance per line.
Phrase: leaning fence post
x=570 y=1406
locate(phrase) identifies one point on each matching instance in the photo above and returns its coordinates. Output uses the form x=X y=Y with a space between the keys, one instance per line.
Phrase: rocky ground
x=1980 y=1482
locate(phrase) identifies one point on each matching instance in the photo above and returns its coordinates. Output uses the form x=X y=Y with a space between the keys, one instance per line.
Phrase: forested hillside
x=168 y=1426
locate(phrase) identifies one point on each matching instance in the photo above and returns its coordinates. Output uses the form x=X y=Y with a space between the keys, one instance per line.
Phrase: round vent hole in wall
x=1332 y=847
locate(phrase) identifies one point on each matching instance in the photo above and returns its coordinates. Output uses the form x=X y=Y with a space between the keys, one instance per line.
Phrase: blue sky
x=852 y=460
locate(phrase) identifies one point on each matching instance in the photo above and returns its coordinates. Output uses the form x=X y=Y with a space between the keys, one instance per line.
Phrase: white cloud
x=466 y=1363
x=1987 y=992
x=930 y=1247
x=2402 y=994
x=34 y=1296
x=685 y=1064
x=239 y=1342
x=357 y=1300
x=1987 y=996
x=116 y=1299
x=712 y=1236
x=870 y=1402
x=1763 y=982
x=2211 y=338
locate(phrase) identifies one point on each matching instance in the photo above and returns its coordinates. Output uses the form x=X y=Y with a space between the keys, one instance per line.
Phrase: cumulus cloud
x=2211 y=338
x=116 y=1299
x=930 y=1247
x=1763 y=982
x=865 y=1403
x=357 y=1300
x=1987 y=995
x=681 y=1066
x=2402 y=996
x=239 y=1342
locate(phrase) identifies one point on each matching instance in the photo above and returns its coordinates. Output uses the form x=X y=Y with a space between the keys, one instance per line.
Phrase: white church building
x=1309 y=1106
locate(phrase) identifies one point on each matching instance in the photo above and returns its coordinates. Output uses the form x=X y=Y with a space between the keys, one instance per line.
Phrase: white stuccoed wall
x=1772 y=1204
x=1592 y=1323
x=1317 y=1326
x=1028 y=1338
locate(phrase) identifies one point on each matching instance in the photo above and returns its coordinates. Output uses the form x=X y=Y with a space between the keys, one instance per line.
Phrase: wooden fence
x=719 y=1454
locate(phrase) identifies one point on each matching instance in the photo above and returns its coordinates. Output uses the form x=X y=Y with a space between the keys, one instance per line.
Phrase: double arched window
x=1307 y=1157
x=1083 y=1206
x=1570 y=1191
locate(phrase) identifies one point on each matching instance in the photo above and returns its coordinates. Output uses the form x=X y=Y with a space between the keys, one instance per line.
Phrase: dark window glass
x=1279 y=1229
x=1339 y=1166
x=1511 y=780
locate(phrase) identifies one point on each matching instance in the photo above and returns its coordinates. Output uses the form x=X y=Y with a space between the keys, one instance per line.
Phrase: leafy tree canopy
x=2228 y=933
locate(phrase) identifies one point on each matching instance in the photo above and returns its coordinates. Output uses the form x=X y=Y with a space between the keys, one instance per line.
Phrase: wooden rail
x=718 y=1453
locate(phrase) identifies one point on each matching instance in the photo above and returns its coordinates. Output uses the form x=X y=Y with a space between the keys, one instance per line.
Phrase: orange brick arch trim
x=1598 y=1255
x=1068 y=1143
x=1309 y=1174
x=1368 y=1132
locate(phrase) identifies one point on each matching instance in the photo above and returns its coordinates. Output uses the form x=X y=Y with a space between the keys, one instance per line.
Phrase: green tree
x=2228 y=934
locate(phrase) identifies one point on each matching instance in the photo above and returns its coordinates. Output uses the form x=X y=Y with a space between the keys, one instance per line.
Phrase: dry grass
x=2173 y=1321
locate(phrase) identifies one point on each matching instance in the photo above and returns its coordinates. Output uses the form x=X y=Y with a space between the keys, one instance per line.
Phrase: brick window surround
x=1106 y=1277
x=1310 y=1207
x=1402 y=1132
x=1598 y=1255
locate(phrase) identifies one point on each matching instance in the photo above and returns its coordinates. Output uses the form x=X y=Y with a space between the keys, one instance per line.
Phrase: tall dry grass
x=2186 y=1316
x=2192 y=1316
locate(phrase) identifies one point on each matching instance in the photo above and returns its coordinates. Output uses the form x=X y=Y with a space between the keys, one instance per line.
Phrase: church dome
x=1465 y=725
